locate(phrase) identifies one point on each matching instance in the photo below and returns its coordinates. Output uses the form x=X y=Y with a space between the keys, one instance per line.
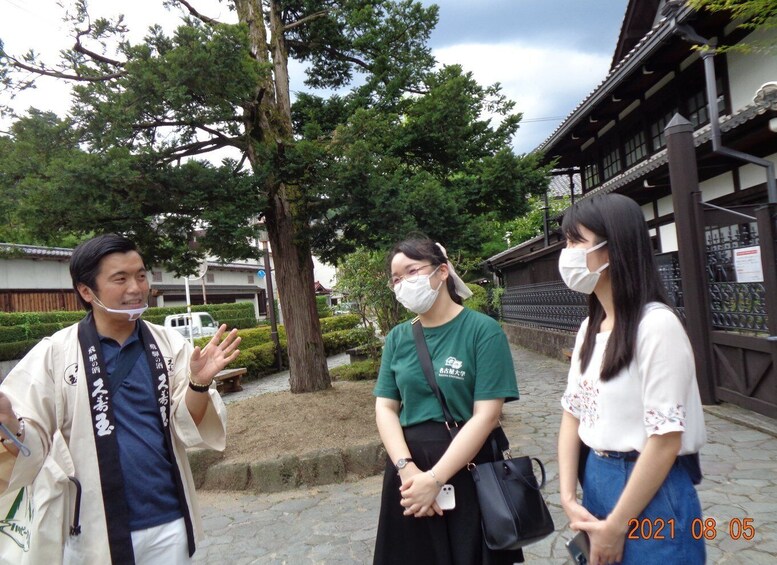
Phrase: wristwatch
x=402 y=463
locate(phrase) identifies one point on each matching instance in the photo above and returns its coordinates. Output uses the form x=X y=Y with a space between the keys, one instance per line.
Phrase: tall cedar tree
x=407 y=148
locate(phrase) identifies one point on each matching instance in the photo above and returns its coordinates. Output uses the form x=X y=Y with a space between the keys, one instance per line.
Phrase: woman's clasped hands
x=419 y=491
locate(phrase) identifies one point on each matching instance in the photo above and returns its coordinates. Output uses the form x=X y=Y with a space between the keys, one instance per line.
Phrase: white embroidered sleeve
x=665 y=362
x=659 y=421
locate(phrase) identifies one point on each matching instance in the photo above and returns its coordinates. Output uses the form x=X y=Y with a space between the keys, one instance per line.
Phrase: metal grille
x=553 y=305
x=735 y=306
x=669 y=272
x=547 y=305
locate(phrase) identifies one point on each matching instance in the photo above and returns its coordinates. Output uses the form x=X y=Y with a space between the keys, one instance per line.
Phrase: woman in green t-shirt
x=474 y=370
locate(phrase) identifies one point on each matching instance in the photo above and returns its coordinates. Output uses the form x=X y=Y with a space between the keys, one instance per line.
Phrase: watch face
x=402 y=463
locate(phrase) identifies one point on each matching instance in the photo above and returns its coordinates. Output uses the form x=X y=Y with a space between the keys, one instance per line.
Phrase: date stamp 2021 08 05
x=707 y=528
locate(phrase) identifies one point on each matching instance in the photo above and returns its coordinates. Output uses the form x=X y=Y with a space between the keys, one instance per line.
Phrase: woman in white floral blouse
x=632 y=401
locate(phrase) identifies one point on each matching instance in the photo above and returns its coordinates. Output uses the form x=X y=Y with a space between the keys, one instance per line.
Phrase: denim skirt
x=666 y=529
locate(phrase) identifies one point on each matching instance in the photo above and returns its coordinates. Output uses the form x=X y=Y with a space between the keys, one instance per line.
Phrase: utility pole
x=271 y=305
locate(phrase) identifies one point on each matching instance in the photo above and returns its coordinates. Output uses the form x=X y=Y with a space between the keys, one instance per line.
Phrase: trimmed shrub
x=250 y=337
x=31 y=318
x=258 y=361
x=22 y=326
x=239 y=323
x=324 y=311
x=344 y=322
x=339 y=341
x=10 y=334
x=359 y=371
x=16 y=349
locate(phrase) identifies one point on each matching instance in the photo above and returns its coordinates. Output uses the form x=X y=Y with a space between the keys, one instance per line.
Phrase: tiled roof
x=37 y=250
x=65 y=253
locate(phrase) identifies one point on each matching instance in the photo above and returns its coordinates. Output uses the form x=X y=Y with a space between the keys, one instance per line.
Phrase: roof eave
x=630 y=62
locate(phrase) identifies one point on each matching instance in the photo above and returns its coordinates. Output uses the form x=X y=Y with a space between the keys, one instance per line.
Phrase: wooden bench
x=228 y=380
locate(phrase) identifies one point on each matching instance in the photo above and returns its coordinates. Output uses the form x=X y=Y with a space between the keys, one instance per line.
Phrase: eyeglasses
x=411 y=276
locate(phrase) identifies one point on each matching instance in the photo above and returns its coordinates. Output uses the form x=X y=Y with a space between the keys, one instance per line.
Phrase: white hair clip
x=461 y=289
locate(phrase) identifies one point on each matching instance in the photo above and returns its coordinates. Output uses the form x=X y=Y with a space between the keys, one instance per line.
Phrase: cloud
x=544 y=80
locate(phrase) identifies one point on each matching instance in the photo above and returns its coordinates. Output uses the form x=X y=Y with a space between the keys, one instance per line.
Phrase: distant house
x=615 y=140
x=37 y=279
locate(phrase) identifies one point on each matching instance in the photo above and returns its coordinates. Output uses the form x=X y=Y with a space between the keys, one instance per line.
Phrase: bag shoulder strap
x=497 y=438
x=426 y=364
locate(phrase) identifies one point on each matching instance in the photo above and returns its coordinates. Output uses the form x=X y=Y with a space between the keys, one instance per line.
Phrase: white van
x=201 y=324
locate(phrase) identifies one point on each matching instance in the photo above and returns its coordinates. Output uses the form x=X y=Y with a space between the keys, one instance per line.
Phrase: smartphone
x=447 y=498
x=579 y=548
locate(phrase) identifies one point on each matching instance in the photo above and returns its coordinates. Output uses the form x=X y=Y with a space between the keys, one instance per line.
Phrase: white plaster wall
x=665 y=206
x=233 y=277
x=716 y=187
x=748 y=71
x=34 y=274
x=647 y=211
x=668 y=238
x=752 y=175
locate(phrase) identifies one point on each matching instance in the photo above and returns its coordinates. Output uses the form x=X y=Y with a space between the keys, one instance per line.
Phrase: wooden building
x=704 y=216
x=37 y=279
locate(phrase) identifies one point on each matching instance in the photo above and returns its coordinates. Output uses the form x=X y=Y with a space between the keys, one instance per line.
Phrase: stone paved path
x=336 y=524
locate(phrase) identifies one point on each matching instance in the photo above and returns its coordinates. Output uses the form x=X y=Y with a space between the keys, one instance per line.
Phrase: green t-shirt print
x=471 y=360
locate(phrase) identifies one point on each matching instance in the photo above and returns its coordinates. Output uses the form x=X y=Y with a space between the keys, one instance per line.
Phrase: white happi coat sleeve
x=212 y=430
x=31 y=388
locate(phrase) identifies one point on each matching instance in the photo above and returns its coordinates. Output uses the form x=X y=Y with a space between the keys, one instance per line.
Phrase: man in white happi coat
x=112 y=402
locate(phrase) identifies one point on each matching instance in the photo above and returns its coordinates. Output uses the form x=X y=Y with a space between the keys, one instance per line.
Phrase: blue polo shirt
x=147 y=465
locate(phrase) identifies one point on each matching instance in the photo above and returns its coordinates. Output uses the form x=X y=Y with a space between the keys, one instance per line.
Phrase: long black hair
x=633 y=274
x=422 y=248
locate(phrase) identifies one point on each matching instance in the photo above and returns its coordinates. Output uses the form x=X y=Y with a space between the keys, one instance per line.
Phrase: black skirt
x=455 y=538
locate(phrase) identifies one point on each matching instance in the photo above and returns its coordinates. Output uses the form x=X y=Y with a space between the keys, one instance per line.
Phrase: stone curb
x=328 y=466
x=316 y=468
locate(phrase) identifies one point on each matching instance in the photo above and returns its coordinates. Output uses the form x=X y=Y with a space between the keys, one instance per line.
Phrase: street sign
x=260 y=273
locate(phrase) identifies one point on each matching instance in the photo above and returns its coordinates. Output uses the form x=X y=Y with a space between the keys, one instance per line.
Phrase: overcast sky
x=547 y=54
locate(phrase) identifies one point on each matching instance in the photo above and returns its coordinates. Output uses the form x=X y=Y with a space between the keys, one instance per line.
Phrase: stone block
x=200 y=460
x=322 y=467
x=227 y=476
x=274 y=475
x=365 y=460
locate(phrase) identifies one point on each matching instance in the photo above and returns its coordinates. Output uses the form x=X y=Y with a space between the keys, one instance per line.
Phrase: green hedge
x=220 y=312
x=23 y=326
x=257 y=352
x=16 y=349
x=30 y=318
x=335 y=323
x=258 y=361
x=322 y=306
x=256 y=337
x=339 y=341
x=359 y=371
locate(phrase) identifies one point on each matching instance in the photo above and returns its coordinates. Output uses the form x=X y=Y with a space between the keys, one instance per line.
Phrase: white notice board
x=747 y=263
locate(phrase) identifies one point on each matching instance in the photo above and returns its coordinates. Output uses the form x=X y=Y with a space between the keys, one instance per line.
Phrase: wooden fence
x=38 y=301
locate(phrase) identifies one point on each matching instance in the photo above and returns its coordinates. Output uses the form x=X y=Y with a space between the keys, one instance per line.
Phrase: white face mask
x=132 y=313
x=417 y=296
x=573 y=266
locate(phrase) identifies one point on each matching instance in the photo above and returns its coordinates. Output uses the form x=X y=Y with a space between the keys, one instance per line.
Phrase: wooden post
x=767 y=233
x=686 y=200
